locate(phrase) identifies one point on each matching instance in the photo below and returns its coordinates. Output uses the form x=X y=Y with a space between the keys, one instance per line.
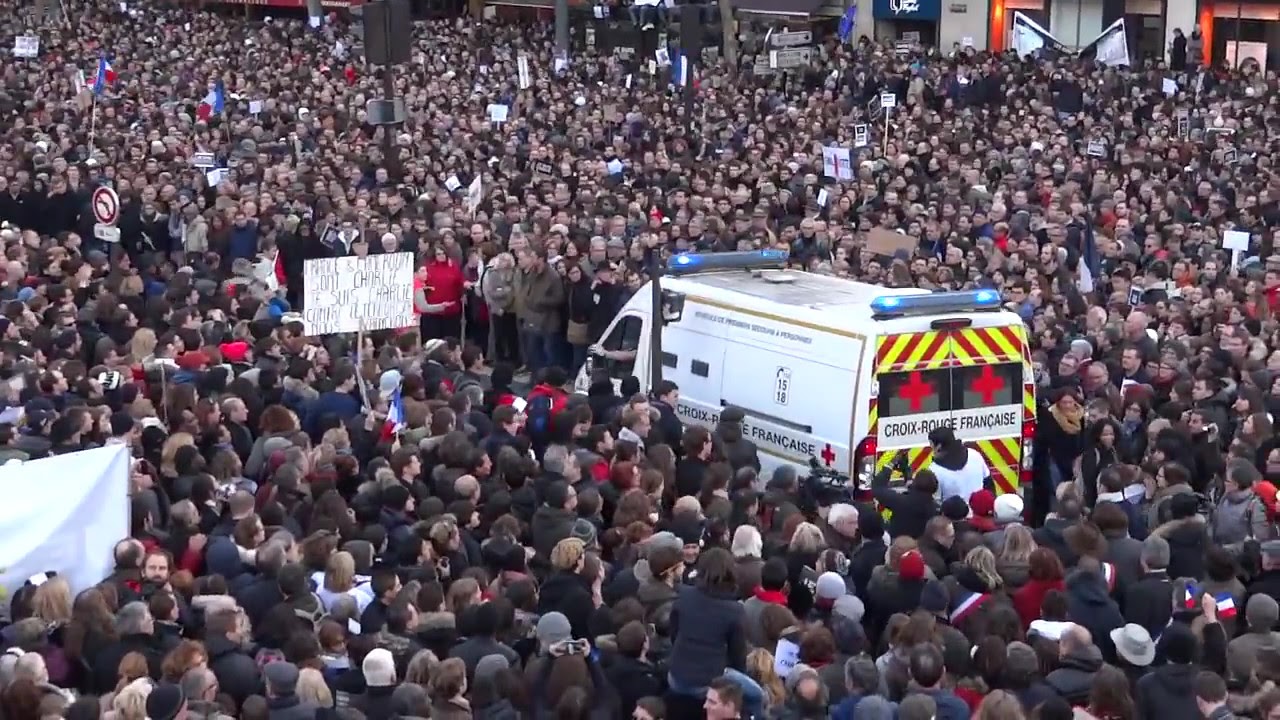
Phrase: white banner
x=64 y=514
x=1028 y=35
x=349 y=294
x=1113 y=45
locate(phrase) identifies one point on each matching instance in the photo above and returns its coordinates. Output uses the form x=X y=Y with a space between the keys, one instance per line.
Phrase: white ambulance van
x=843 y=372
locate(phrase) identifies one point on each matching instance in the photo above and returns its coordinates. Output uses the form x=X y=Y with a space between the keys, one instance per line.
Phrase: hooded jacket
x=1168 y=693
x=1090 y=605
x=1188 y=540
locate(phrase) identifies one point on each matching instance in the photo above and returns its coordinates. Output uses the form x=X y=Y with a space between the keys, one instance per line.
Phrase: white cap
x=1008 y=508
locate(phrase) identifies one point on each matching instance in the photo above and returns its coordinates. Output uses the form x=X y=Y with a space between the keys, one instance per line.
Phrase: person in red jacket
x=444 y=286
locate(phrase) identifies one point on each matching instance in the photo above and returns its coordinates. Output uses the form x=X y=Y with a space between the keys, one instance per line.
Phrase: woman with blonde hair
x=130 y=702
x=338 y=579
x=170 y=450
x=51 y=602
x=142 y=346
x=313 y=689
x=761 y=669
x=979 y=572
x=1013 y=561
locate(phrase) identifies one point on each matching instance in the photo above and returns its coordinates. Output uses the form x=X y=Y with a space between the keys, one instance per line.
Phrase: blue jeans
x=752 y=693
x=541 y=349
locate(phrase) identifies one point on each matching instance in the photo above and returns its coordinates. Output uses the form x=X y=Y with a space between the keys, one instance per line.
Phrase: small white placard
x=1170 y=86
x=614 y=167
x=1236 y=240
x=888 y=100
x=314 y=21
x=215 y=176
x=26 y=46
x=453 y=183
x=255 y=107
x=498 y=113
x=861 y=135
x=822 y=197
x=202 y=160
x=523 y=75
x=966 y=41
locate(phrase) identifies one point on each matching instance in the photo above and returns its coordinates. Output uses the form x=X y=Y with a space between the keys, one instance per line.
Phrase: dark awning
x=778 y=7
x=523 y=3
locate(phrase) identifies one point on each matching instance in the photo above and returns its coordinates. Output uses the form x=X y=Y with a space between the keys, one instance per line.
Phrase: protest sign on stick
x=353 y=294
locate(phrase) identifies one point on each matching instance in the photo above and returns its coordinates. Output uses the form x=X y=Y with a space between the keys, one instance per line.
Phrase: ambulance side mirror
x=672 y=306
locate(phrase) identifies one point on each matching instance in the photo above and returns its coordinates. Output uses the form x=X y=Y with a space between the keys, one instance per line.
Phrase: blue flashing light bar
x=940 y=302
x=690 y=263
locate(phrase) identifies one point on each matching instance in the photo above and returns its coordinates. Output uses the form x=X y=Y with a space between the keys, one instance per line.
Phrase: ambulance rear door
x=951 y=374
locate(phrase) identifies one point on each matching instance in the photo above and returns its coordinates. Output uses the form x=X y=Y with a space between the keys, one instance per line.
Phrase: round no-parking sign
x=106 y=205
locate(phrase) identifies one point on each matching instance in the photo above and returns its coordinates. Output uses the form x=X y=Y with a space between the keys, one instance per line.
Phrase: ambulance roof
x=809 y=297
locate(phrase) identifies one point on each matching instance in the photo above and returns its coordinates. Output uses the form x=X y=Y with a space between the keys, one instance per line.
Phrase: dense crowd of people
x=326 y=529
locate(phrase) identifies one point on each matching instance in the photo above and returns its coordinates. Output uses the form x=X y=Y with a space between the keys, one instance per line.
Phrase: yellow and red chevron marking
x=1002 y=458
x=1028 y=402
x=913 y=351
x=982 y=346
x=918 y=457
x=873 y=418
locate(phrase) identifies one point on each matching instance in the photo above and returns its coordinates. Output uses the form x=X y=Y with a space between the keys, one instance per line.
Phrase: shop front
x=907 y=20
x=1235 y=32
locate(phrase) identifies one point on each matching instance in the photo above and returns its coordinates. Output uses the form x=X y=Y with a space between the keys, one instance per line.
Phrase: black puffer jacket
x=1075 y=674
x=739 y=451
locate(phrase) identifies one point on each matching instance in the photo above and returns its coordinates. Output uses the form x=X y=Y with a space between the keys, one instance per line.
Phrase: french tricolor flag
x=969 y=602
x=1189 y=602
x=212 y=103
x=1226 y=605
x=395 y=417
x=103 y=75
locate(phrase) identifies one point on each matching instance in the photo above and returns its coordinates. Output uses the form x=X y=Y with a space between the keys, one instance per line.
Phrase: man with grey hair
x=136 y=629
x=1148 y=601
x=862 y=687
x=200 y=686
x=263 y=592
x=559 y=464
x=842 y=521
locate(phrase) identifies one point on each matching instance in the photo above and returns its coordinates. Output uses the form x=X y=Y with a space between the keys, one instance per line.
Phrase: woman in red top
x=1045 y=573
x=444 y=286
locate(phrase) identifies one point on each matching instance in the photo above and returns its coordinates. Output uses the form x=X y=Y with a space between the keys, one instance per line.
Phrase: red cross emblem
x=915 y=391
x=987 y=385
x=828 y=455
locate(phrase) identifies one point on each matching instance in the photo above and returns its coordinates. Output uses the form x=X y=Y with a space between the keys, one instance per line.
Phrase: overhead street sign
x=791 y=39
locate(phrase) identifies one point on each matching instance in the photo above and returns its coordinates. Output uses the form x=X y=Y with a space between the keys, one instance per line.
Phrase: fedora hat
x=1134 y=644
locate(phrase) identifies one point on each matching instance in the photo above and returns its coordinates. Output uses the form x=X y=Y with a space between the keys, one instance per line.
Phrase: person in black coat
x=1059 y=441
x=262 y=591
x=869 y=553
x=567 y=590
x=670 y=429
x=706 y=625
x=1168 y=692
x=237 y=673
x=137 y=634
x=1090 y=606
x=1149 y=601
x=911 y=509
x=692 y=467
x=631 y=675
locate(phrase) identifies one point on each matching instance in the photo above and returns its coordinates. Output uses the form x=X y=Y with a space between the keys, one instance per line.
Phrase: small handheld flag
x=395 y=417
x=104 y=75
x=213 y=102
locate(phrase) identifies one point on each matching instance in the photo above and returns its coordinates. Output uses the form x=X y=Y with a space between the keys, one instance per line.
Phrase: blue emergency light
x=689 y=263
x=939 y=302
